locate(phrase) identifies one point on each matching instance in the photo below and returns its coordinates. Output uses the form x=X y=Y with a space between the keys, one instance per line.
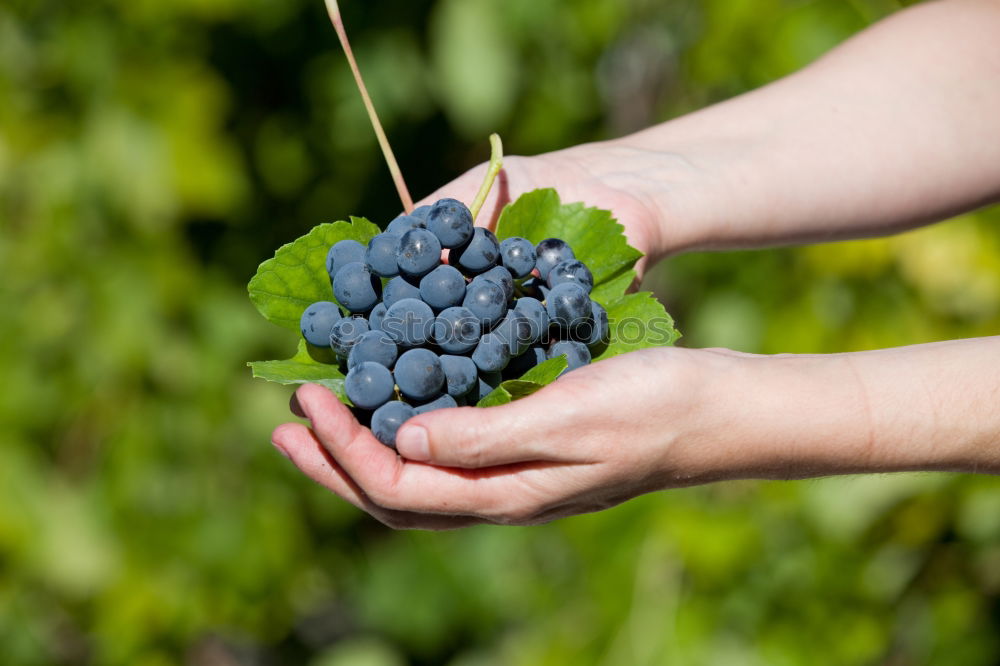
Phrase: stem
x=496 y=163
x=397 y=176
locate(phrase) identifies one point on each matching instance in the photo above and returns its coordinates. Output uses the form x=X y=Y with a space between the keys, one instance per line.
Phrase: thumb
x=475 y=437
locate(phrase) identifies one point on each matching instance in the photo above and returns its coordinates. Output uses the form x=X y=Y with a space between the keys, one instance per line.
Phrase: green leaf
x=296 y=276
x=534 y=379
x=638 y=321
x=613 y=288
x=546 y=372
x=302 y=369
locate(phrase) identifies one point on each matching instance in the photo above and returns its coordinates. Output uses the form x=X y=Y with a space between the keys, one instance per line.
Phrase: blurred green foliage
x=152 y=153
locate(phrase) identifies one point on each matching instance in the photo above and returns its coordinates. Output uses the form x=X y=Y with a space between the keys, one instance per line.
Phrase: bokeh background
x=153 y=152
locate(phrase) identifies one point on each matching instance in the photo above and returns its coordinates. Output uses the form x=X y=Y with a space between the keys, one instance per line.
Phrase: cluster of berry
x=446 y=334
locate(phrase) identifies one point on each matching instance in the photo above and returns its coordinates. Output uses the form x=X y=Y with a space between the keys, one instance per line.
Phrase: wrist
x=933 y=406
x=927 y=407
x=774 y=417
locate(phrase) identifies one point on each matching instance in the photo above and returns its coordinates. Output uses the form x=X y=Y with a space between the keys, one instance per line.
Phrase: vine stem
x=496 y=163
x=397 y=176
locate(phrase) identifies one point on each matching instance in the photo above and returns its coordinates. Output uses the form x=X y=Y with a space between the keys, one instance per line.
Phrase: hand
x=596 y=437
x=606 y=175
x=660 y=418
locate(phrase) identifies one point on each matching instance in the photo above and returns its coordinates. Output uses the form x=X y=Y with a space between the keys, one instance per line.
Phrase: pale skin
x=897 y=127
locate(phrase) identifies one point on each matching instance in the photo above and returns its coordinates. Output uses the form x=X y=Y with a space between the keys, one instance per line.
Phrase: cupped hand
x=596 y=437
x=600 y=174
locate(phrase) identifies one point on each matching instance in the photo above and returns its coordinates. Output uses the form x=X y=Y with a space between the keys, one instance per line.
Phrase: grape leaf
x=296 y=277
x=302 y=369
x=534 y=379
x=637 y=321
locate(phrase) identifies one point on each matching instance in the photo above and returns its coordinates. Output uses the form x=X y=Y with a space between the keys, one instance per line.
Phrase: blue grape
x=381 y=255
x=419 y=252
x=599 y=329
x=502 y=277
x=487 y=382
x=533 y=309
x=342 y=253
x=568 y=306
x=571 y=270
x=397 y=289
x=421 y=212
x=444 y=402
x=536 y=288
x=577 y=354
x=550 y=252
x=345 y=333
x=451 y=222
x=526 y=361
x=515 y=330
x=369 y=385
x=419 y=375
x=404 y=223
x=491 y=354
x=517 y=255
x=317 y=322
x=457 y=330
x=460 y=374
x=442 y=288
x=374 y=346
x=387 y=419
x=356 y=288
x=376 y=316
x=485 y=299
x=479 y=254
x=409 y=322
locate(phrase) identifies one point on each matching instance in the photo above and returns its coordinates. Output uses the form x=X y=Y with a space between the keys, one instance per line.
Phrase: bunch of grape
x=446 y=334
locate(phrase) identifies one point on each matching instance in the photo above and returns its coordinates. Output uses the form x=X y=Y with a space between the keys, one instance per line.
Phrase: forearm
x=924 y=407
x=897 y=127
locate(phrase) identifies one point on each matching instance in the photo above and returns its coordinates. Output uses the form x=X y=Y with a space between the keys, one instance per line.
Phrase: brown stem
x=397 y=176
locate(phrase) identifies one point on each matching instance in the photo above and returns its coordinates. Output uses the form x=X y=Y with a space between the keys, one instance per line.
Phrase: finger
x=353 y=446
x=392 y=483
x=306 y=452
x=473 y=437
x=300 y=446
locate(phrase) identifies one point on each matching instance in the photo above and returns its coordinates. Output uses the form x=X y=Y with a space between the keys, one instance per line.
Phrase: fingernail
x=281 y=449
x=411 y=443
x=295 y=408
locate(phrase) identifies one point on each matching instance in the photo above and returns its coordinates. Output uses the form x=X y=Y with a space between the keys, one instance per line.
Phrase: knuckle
x=473 y=449
x=472 y=452
x=383 y=496
x=383 y=486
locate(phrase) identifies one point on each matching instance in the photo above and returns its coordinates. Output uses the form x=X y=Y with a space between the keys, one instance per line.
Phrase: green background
x=152 y=153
